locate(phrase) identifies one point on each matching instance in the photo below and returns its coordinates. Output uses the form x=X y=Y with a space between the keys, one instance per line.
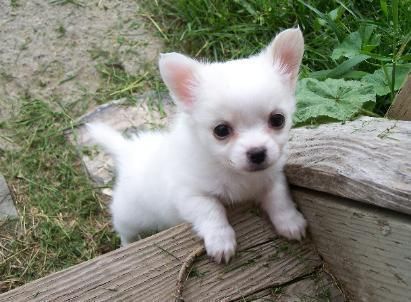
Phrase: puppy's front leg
x=280 y=207
x=209 y=220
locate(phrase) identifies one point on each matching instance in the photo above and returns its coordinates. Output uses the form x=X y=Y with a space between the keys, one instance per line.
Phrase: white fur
x=186 y=174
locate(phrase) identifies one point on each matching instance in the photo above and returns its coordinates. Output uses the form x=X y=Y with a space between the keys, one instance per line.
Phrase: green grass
x=63 y=2
x=226 y=29
x=61 y=31
x=119 y=84
x=63 y=219
x=14 y=3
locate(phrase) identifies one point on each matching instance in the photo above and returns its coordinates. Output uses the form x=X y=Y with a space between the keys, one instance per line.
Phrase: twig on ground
x=184 y=270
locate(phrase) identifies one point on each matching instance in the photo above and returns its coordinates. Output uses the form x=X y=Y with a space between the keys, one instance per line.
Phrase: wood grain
x=147 y=270
x=277 y=261
x=368 y=249
x=314 y=288
x=401 y=107
x=367 y=160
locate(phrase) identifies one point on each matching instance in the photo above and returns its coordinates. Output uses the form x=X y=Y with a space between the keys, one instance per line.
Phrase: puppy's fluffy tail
x=111 y=140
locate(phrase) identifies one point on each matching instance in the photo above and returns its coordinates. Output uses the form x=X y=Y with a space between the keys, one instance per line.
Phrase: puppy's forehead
x=244 y=86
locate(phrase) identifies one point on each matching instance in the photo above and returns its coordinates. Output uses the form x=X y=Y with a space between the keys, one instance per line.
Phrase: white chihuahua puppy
x=228 y=144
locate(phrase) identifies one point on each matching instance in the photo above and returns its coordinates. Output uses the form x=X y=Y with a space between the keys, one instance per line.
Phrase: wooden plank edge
x=366 y=248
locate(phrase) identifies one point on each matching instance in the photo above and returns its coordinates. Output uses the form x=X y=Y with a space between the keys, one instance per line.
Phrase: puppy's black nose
x=257 y=155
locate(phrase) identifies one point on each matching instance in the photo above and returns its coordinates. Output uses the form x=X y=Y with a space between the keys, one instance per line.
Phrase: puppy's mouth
x=256 y=168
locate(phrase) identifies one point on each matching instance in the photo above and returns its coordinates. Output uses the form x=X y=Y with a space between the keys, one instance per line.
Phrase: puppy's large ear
x=180 y=74
x=286 y=52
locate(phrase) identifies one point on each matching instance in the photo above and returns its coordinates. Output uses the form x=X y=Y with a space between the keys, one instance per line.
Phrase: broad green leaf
x=332 y=100
x=350 y=47
x=381 y=80
x=359 y=42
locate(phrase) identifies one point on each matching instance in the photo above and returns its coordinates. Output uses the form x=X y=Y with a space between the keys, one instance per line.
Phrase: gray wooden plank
x=368 y=160
x=278 y=261
x=368 y=249
x=147 y=270
x=318 y=287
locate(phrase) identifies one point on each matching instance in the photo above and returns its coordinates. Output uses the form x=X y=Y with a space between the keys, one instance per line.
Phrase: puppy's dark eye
x=276 y=120
x=222 y=131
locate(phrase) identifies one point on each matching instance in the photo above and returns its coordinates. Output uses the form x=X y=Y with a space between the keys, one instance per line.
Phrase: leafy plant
x=381 y=78
x=359 y=42
x=363 y=56
x=332 y=100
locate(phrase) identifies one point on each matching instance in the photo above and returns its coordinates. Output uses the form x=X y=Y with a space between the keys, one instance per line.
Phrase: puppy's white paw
x=291 y=225
x=220 y=244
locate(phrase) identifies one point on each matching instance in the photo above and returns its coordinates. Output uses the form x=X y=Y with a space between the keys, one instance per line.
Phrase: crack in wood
x=315 y=271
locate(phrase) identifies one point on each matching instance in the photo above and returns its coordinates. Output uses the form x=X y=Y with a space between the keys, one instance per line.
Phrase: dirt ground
x=49 y=49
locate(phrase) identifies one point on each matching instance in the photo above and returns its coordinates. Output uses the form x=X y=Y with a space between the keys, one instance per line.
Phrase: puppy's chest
x=237 y=190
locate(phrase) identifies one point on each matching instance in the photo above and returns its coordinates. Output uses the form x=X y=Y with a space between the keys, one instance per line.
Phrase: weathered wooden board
x=368 y=160
x=368 y=249
x=147 y=270
x=401 y=107
x=319 y=287
x=286 y=261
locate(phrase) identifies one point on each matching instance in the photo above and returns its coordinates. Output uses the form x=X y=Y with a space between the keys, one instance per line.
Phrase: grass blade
x=326 y=18
x=384 y=7
x=395 y=14
x=346 y=66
